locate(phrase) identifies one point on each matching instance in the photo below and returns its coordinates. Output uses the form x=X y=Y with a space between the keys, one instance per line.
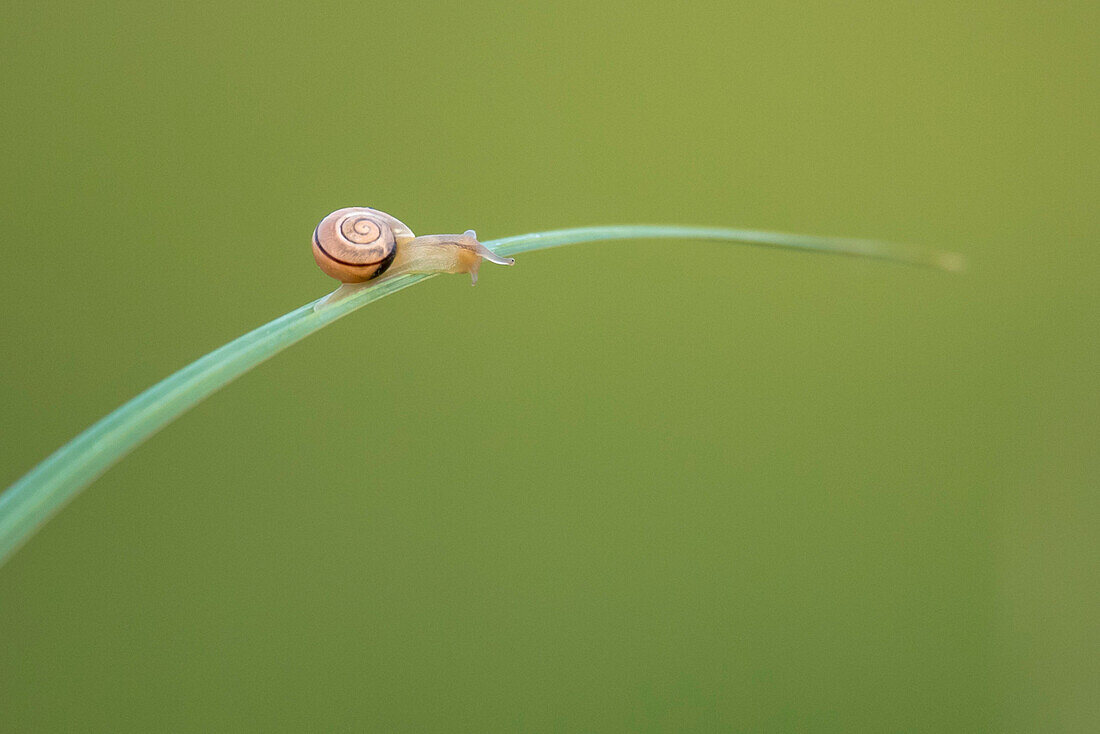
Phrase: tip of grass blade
x=952 y=262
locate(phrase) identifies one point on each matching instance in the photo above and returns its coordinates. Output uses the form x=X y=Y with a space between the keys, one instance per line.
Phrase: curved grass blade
x=42 y=492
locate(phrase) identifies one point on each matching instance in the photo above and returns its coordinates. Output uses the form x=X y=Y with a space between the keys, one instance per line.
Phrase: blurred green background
x=623 y=487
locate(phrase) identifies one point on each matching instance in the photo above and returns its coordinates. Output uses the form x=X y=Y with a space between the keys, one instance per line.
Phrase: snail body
x=358 y=244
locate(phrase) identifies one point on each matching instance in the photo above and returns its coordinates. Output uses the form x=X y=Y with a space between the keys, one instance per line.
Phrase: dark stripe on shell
x=385 y=264
x=385 y=261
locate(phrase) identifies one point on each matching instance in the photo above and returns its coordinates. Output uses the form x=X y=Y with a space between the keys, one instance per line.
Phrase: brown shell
x=356 y=244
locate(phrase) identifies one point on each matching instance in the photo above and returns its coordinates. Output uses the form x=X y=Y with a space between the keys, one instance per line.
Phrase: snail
x=356 y=245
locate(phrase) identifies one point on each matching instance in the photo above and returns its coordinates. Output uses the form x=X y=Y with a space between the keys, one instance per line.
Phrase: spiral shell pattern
x=357 y=244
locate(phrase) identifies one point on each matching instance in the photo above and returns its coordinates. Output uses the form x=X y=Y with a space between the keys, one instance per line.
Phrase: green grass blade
x=38 y=495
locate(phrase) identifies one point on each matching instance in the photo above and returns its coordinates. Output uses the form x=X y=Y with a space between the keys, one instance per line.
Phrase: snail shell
x=357 y=244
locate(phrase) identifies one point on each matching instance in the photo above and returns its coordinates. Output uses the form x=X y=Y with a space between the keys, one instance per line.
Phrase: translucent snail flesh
x=358 y=244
